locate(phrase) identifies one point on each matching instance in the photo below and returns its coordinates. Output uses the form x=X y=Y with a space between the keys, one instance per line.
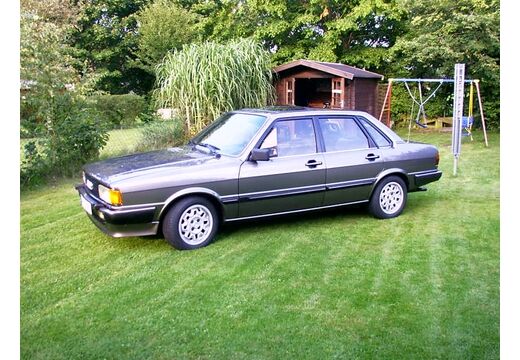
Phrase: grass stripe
x=334 y=284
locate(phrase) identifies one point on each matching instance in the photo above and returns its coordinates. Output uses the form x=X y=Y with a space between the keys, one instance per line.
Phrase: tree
x=65 y=132
x=357 y=32
x=46 y=67
x=164 y=26
x=444 y=32
x=105 y=41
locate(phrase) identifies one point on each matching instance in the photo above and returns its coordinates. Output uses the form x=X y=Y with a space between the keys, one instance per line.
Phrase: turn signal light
x=111 y=196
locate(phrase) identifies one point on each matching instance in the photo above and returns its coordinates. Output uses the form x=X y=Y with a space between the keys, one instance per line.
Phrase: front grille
x=92 y=184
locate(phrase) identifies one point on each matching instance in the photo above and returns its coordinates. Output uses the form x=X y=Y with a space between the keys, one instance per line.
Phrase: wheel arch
x=208 y=194
x=391 y=172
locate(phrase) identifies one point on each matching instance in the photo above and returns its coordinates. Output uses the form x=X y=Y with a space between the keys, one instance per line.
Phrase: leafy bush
x=119 y=111
x=72 y=137
x=161 y=134
x=46 y=65
x=164 y=26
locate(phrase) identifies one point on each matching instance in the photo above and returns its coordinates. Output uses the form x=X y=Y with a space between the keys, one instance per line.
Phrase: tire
x=389 y=198
x=191 y=223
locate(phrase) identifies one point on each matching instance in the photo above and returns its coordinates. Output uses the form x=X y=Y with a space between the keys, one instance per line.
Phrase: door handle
x=313 y=163
x=372 y=157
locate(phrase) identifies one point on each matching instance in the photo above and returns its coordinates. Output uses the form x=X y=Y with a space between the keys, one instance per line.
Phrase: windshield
x=230 y=133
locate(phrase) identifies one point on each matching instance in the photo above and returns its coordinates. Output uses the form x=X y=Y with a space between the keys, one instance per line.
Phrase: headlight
x=111 y=196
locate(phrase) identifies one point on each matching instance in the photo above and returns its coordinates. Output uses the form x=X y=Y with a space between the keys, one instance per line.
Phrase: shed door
x=289 y=91
x=338 y=93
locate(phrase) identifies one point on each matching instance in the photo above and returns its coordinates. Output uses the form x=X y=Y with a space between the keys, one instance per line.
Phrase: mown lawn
x=338 y=284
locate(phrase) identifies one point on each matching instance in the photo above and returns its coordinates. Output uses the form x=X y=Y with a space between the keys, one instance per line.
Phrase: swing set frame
x=421 y=101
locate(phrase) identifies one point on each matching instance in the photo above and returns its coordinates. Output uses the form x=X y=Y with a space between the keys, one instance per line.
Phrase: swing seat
x=424 y=126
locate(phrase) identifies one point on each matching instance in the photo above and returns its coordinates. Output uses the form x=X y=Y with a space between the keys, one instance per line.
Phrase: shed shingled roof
x=337 y=69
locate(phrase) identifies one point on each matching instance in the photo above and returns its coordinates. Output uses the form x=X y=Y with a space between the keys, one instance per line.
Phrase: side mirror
x=260 y=154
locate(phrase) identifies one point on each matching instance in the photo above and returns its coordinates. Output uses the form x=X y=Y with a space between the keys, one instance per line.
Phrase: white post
x=481 y=112
x=458 y=108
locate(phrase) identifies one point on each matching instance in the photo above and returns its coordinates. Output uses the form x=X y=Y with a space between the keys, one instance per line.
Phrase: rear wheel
x=191 y=223
x=389 y=198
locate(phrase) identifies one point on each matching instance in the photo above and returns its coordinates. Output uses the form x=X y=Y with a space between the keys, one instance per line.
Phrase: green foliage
x=161 y=134
x=203 y=81
x=45 y=68
x=444 y=32
x=327 y=31
x=119 y=111
x=72 y=136
x=164 y=26
x=105 y=40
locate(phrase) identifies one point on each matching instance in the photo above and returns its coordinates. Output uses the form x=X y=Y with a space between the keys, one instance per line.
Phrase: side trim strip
x=424 y=173
x=296 y=211
x=229 y=199
x=280 y=193
x=350 y=183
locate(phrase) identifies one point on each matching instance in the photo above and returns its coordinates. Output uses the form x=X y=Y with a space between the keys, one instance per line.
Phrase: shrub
x=72 y=137
x=119 y=111
x=161 y=134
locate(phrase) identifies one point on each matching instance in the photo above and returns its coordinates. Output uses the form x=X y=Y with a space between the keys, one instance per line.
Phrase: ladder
x=385 y=115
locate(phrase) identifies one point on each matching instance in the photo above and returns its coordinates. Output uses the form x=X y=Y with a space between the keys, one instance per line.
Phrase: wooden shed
x=322 y=84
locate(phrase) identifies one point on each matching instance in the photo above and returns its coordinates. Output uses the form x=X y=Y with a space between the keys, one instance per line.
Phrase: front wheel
x=389 y=198
x=191 y=223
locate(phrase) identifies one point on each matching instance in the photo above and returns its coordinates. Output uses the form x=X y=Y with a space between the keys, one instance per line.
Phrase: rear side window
x=377 y=136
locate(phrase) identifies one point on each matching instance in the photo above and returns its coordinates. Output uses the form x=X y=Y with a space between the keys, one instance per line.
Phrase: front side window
x=291 y=137
x=230 y=133
x=342 y=134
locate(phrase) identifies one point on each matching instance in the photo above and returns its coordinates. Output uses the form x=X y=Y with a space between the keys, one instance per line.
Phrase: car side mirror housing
x=260 y=154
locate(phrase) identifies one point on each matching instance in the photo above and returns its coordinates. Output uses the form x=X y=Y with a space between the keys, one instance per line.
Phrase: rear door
x=294 y=177
x=353 y=160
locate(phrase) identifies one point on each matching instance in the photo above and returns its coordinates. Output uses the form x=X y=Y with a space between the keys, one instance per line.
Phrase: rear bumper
x=426 y=177
x=137 y=221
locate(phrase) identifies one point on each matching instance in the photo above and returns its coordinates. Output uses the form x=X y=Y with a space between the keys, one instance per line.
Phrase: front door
x=294 y=177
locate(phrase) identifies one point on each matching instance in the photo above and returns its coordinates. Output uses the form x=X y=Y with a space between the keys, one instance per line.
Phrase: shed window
x=336 y=93
x=290 y=91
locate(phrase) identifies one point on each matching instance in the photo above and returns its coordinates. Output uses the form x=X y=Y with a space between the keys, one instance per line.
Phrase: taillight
x=437 y=158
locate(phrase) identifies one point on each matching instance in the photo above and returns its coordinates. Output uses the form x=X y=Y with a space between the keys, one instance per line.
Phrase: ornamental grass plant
x=204 y=80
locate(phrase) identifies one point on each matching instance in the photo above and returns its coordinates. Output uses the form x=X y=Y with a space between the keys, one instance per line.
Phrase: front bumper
x=118 y=222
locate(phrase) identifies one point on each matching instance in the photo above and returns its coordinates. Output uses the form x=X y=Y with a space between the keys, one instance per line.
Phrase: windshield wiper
x=212 y=148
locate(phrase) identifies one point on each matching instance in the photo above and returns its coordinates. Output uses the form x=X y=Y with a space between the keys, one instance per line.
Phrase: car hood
x=131 y=165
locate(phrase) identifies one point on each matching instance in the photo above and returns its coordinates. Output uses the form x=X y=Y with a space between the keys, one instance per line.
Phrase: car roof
x=298 y=110
x=274 y=109
x=278 y=112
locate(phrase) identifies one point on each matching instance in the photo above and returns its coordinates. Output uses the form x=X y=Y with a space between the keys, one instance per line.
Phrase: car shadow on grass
x=308 y=219
x=227 y=230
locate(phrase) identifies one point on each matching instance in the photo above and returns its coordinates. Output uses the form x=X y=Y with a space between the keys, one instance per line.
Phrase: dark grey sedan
x=257 y=163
